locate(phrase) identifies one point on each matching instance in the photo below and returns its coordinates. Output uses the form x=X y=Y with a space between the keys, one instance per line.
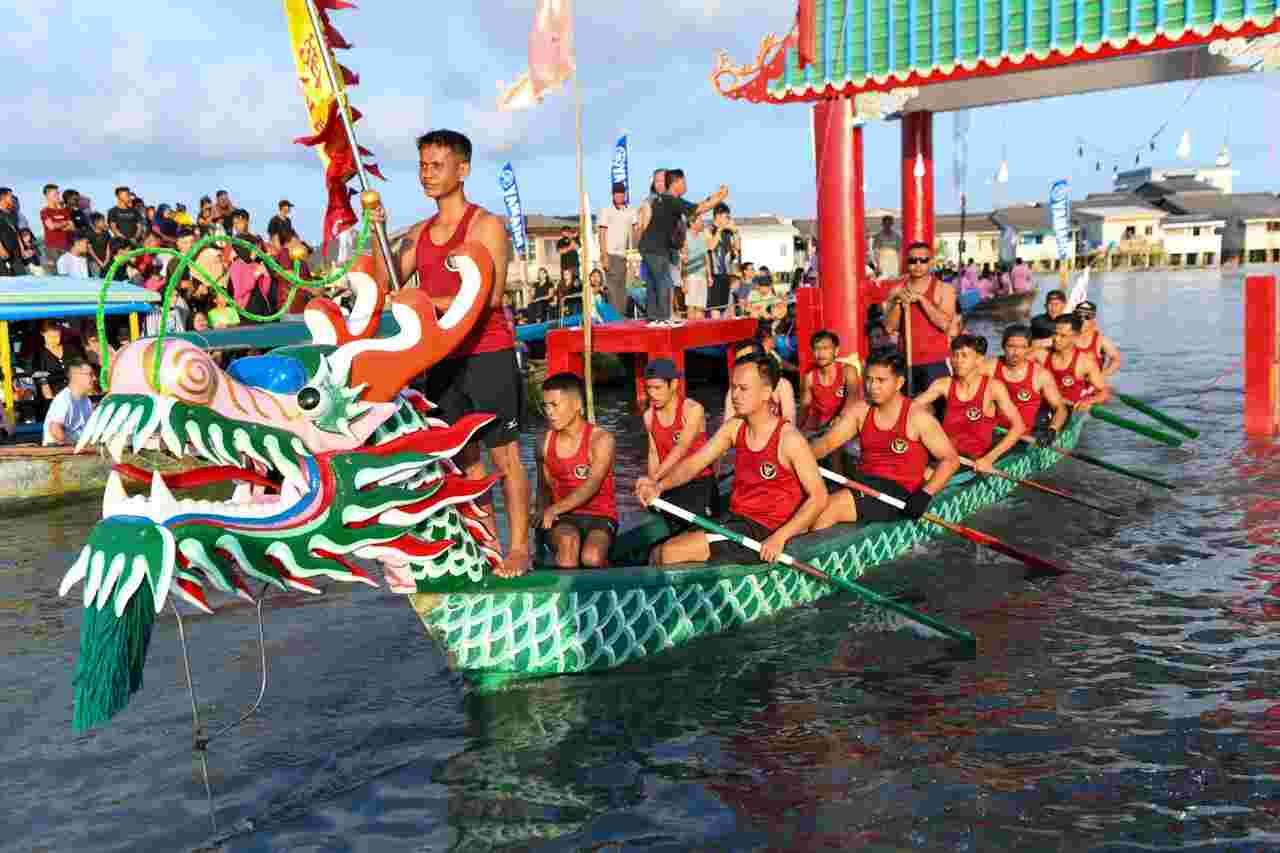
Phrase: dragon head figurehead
x=331 y=457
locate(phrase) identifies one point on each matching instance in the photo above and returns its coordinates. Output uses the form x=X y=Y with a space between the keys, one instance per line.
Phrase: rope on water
x=200 y=742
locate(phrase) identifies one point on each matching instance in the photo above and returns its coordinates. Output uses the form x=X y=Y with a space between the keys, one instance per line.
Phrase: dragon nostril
x=308 y=399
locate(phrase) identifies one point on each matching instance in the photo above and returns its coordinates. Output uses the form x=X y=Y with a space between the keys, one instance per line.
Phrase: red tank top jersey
x=568 y=474
x=1024 y=395
x=763 y=489
x=826 y=399
x=492 y=331
x=966 y=422
x=1072 y=388
x=929 y=344
x=1094 y=349
x=666 y=437
x=889 y=453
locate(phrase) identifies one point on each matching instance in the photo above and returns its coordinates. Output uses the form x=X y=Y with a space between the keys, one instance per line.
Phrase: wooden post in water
x=1261 y=356
x=6 y=372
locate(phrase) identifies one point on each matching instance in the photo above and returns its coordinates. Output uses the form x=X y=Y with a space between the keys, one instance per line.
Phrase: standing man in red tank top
x=1098 y=345
x=931 y=308
x=575 y=459
x=1080 y=380
x=677 y=426
x=973 y=402
x=481 y=375
x=1031 y=386
x=897 y=440
x=777 y=490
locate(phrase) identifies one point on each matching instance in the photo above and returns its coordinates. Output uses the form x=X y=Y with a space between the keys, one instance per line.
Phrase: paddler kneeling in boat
x=973 y=403
x=575 y=460
x=677 y=426
x=1032 y=387
x=897 y=440
x=777 y=491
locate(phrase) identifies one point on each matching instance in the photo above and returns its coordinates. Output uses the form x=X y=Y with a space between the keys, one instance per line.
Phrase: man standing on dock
x=575 y=459
x=615 y=224
x=777 y=490
x=897 y=440
x=481 y=374
x=662 y=236
x=931 y=306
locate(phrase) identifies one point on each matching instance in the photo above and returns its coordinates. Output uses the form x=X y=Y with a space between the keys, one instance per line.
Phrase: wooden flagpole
x=584 y=260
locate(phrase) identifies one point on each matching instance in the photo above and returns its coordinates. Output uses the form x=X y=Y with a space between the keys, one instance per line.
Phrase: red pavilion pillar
x=917 y=180
x=842 y=243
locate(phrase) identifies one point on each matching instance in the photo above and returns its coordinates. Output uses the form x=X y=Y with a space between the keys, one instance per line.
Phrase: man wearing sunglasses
x=931 y=307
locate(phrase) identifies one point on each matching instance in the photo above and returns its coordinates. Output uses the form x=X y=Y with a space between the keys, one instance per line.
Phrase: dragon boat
x=338 y=467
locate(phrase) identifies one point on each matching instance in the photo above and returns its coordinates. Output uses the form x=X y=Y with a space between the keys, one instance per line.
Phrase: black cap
x=1086 y=307
x=284 y=202
x=1055 y=294
x=619 y=187
x=662 y=368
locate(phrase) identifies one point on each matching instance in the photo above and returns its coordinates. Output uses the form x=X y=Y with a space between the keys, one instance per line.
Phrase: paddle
x=1093 y=460
x=1156 y=414
x=1043 y=566
x=929 y=626
x=1112 y=418
x=1049 y=490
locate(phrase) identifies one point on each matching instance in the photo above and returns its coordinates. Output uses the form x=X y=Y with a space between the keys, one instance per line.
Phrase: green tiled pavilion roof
x=866 y=45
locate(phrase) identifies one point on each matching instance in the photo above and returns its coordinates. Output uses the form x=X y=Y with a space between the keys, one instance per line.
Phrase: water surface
x=1129 y=706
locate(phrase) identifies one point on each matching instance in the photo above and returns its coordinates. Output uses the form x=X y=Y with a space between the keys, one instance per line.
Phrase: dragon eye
x=309 y=399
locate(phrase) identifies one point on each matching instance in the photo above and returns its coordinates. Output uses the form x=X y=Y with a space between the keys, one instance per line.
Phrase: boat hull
x=556 y=623
x=1014 y=307
x=32 y=471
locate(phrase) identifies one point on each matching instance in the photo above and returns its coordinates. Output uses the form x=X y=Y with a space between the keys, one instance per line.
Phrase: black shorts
x=726 y=550
x=874 y=509
x=483 y=382
x=718 y=293
x=584 y=524
x=700 y=496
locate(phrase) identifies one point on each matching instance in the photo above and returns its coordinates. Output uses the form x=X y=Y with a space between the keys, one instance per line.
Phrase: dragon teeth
x=116 y=445
x=114 y=494
x=243 y=494
x=160 y=494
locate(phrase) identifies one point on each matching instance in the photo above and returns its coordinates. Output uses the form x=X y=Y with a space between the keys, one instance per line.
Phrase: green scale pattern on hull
x=598 y=620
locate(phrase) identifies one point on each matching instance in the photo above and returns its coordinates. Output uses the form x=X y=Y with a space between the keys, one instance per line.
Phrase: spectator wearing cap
x=677 y=426
x=281 y=221
x=1092 y=341
x=616 y=223
x=1055 y=302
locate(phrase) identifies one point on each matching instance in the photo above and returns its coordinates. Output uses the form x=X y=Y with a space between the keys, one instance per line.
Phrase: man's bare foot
x=517 y=562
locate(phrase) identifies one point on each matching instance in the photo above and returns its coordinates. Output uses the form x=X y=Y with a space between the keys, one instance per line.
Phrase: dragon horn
x=386 y=365
x=329 y=325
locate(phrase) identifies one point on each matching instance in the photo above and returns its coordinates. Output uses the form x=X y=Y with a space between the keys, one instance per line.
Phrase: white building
x=770 y=241
x=1193 y=239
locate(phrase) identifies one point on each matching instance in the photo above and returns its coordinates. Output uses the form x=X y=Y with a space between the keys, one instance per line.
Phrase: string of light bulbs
x=1099 y=153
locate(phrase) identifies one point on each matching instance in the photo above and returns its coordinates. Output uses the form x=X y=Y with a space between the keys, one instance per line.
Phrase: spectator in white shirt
x=616 y=222
x=75 y=262
x=71 y=407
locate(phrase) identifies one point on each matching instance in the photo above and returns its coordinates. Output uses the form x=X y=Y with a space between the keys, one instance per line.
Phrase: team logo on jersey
x=675 y=436
x=1024 y=396
x=1068 y=381
x=898 y=445
x=840 y=391
x=768 y=470
x=973 y=413
x=582 y=471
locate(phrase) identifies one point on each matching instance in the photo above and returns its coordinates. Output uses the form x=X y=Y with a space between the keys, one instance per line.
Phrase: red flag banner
x=311 y=49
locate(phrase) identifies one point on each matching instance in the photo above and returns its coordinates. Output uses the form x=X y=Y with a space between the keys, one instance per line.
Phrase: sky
x=178 y=99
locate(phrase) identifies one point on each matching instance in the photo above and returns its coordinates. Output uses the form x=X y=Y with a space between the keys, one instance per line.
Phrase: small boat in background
x=1011 y=306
